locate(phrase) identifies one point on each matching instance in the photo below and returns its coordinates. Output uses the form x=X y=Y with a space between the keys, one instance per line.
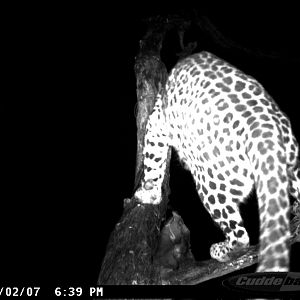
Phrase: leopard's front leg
x=156 y=146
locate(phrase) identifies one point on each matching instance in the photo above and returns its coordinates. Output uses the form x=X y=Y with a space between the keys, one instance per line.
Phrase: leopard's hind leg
x=221 y=196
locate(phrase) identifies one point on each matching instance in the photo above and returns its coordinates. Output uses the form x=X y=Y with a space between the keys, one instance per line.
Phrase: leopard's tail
x=271 y=180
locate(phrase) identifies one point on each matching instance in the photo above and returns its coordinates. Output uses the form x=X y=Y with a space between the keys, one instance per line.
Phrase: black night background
x=71 y=129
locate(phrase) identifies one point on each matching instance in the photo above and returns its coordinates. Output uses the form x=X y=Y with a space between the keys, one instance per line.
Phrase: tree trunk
x=132 y=244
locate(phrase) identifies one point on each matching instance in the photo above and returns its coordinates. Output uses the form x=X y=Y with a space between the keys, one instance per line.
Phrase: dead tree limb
x=192 y=273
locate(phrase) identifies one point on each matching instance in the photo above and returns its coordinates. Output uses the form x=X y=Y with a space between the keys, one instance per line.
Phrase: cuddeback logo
x=268 y=282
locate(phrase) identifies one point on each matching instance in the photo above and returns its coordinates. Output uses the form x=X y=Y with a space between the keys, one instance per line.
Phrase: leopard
x=234 y=139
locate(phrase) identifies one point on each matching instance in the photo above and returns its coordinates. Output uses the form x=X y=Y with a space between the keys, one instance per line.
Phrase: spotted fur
x=232 y=137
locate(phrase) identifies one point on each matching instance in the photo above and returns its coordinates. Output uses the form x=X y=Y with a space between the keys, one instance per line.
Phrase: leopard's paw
x=148 y=196
x=219 y=251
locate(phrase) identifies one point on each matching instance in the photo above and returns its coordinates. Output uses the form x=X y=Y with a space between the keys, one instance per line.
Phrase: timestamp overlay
x=83 y=291
x=45 y=291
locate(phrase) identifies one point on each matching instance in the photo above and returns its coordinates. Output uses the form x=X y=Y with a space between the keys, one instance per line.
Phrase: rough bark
x=132 y=244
